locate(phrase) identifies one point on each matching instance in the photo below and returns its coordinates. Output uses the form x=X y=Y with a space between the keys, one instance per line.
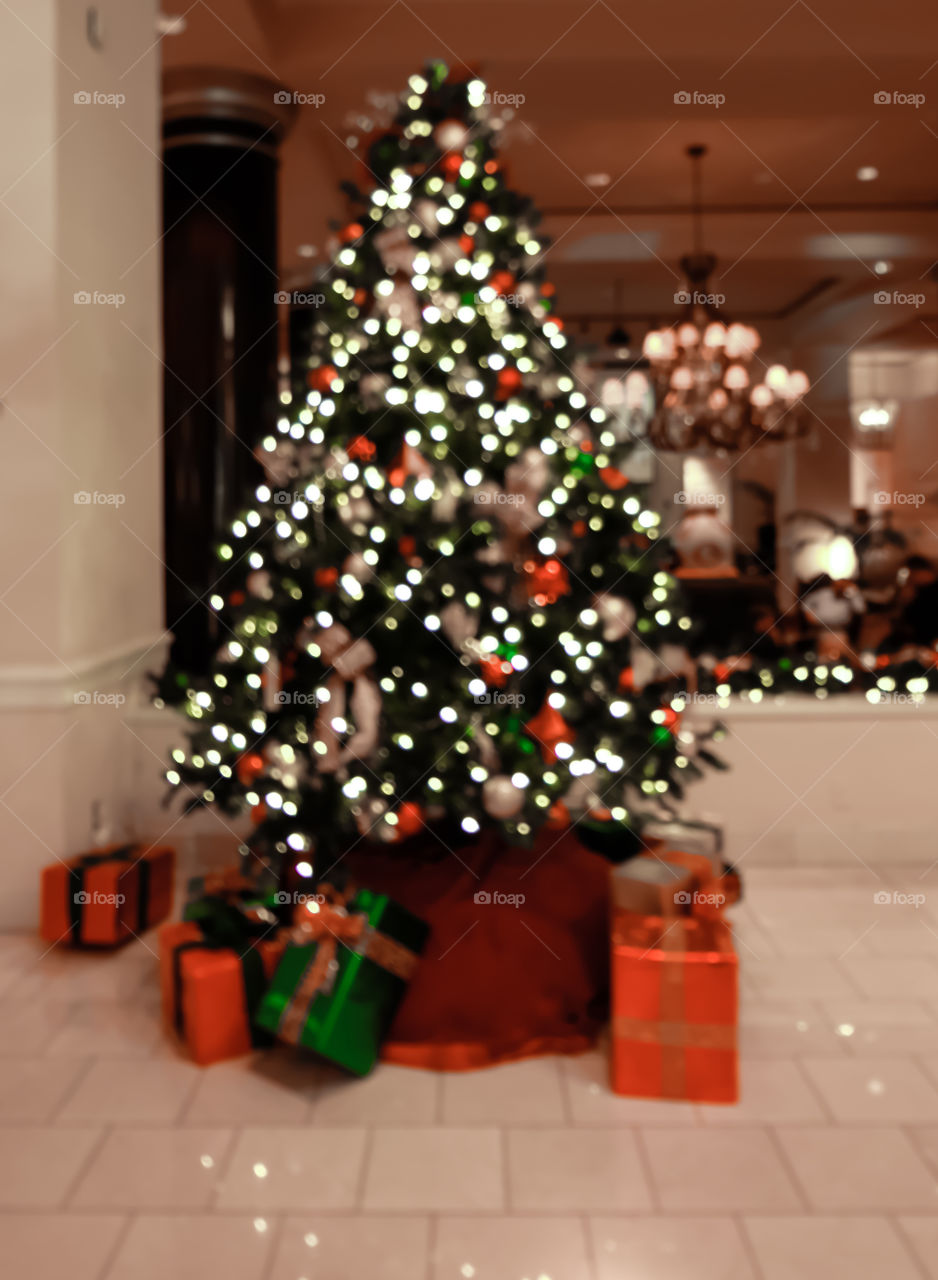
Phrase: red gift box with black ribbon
x=106 y=896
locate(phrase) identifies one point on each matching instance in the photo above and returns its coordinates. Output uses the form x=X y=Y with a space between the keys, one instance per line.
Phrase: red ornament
x=547 y=289
x=359 y=296
x=671 y=720
x=548 y=728
x=467 y=244
x=579 y=529
x=478 y=211
x=236 y=598
x=627 y=680
x=491 y=166
x=249 y=768
x=502 y=282
x=558 y=815
x=321 y=378
x=409 y=820
x=409 y=462
x=354 y=231
x=494 y=671
x=509 y=380
x=722 y=670
x=451 y=164
x=360 y=447
x=258 y=813
x=407 y=546
x=546 y=582
x=613 y=478
x=326 y=578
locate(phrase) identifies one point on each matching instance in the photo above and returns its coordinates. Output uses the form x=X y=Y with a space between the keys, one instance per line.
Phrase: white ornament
x=425 y=213
x=356 y=510
x=501 y=798
x=445 y=254
x=459 y=623
x=357 y=567
x=371 y=387
x=451 y=135
x=616 y=614
x=351 y=661
x=396 y=250
x=258 y=585
x=400 y=304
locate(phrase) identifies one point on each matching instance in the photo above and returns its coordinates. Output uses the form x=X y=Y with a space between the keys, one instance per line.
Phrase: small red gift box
x=105 y=897
x=674 y=1008
x=210 y=992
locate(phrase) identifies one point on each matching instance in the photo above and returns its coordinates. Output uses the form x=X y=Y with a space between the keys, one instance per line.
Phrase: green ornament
x=468 y=299
x=660 y=735
x=784 y=664
x=527 y=746
x=182 y=679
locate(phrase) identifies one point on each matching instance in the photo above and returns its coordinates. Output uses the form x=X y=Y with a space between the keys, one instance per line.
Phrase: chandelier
x=707 y=389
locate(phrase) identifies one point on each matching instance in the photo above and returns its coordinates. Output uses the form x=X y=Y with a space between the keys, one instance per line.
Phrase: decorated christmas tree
x=446 y=608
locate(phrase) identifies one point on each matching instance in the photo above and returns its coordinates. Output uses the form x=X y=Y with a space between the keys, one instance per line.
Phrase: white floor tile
x=170 y=1247
x=874 y=1090
x=770 y=1092
x=131 y=1092
x=855 y=1169
x=807 y=1248
x=38 y=1166
x=564 y=1170
x=592 y=1102
x=669 y=1248
x=435 y=1169
x=922 y=1234
x=301 y=1169
x=43 y=1246
x=351 y=1248
x=31 y=1089
x=517 y=1093
x=719 y=1170
x=507 y=1248
x=264 y=1089
x=888 y=977
x=154 y=1169
x=389 y=1096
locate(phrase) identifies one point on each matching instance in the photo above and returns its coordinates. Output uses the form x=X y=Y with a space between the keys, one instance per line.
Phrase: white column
x=80 y=380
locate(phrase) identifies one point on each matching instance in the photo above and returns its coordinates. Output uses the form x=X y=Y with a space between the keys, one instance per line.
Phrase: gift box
x=337 y=993
x=702 y=838
x=231 y=887
x=653 y=886
x=674 y=1008
x=210 y=991
x=106 y=896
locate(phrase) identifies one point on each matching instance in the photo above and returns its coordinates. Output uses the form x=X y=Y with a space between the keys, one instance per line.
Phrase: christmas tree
x=446 y=607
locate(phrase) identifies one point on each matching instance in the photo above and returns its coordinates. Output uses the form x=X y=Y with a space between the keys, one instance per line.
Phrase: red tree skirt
x=499 y=979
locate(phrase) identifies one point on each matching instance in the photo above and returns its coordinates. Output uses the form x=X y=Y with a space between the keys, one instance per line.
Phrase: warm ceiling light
x=306 y=250
x=868 y=173
x=882 y=268
x=598 y=179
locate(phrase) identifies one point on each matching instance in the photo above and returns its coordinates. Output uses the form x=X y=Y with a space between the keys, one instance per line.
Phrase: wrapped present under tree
x=674 y=1008
x=106 y=896
x=338 y=985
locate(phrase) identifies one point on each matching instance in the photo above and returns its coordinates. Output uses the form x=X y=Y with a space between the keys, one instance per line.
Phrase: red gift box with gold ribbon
x=674 y=1008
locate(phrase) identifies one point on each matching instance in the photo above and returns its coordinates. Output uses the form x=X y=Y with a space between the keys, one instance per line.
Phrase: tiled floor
x=119 y=1160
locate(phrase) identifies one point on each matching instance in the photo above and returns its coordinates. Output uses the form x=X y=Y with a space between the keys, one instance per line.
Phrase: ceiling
x=796 y=231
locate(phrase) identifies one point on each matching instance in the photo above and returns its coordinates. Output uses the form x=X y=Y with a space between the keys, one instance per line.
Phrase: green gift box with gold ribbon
x=338 y=984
